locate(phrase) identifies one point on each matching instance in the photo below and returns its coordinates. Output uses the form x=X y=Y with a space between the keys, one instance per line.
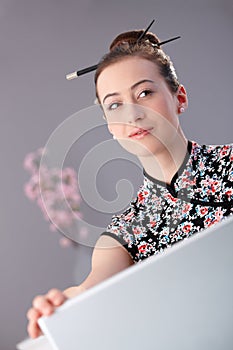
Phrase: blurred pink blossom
x=56 y=193
x=83 y=232
x=65 y=242
x=32 y=160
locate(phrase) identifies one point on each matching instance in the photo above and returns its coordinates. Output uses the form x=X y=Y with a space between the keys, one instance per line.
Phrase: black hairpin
x=168 y=41
x=76 y=74
x=145 y=31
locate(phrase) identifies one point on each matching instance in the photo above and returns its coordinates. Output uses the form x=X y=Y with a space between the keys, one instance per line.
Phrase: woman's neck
x=166 y=162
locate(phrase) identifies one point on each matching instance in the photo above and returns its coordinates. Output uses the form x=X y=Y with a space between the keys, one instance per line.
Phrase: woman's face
x=141 y=111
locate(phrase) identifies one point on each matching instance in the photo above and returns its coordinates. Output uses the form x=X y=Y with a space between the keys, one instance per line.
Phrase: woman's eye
x=113 y=106
x=145 y=93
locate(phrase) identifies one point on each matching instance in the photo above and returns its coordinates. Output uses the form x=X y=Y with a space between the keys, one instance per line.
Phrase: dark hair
x=127 y=44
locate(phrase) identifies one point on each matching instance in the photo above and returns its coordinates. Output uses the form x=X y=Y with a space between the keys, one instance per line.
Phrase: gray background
x=40 y=42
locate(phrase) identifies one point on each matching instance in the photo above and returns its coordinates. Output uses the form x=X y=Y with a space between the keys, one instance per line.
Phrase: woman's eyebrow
x=110 y=95
x=131 y=88
x=141 y=82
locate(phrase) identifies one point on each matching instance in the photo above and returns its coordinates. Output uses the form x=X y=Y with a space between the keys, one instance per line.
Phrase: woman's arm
x=109 y=257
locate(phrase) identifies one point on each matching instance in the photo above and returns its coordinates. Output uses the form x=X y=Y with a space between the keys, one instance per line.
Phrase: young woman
x=186 y=188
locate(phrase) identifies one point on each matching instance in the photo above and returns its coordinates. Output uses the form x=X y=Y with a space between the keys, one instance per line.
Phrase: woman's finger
x=43 y=305
x=56 y=297
x=33 y=329
x=33 y=314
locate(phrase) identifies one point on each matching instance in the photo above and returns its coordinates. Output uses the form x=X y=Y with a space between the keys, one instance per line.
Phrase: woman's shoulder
x=216 y=152
x=132 y=212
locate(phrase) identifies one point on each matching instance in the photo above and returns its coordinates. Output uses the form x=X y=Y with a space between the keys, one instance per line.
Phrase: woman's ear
x=182 y=99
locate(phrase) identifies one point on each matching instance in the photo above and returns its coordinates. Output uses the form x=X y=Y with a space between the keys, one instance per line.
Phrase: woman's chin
x=139 y=148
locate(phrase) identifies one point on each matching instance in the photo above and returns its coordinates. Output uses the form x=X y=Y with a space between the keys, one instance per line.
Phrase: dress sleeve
x=120 y=229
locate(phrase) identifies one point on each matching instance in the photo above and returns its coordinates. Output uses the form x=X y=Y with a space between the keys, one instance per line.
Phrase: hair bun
x=132 y=37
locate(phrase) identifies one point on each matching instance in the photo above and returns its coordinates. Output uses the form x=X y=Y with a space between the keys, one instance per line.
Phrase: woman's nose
x=134 y=113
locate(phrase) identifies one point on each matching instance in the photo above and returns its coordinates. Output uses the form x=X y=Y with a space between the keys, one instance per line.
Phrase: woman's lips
x=139 y=133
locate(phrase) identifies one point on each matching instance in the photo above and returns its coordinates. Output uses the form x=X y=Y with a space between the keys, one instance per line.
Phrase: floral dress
x=199 y=196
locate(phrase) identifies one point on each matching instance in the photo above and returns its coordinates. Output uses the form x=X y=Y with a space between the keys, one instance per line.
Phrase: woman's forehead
x=125 y=73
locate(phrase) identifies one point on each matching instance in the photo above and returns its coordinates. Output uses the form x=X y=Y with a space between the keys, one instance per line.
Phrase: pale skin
x=161 y=148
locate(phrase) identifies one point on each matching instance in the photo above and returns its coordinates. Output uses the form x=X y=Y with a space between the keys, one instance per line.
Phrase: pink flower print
x=153 y=223
x=229 y=193
x=201 y=165
x=186 y=208
x=215 y=186
x=205 y=183
x=137 y=230
x=142 y=196
x=214 y=218
x=169 y=196
x=187 y=227
x=129 y=216
x=211 y=185
x=218 y=214
x=201 y=211
x=224 y=151
x=142 y=247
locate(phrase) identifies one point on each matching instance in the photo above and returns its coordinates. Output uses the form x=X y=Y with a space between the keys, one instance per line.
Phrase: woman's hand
x=108 y=258
x=43 y=305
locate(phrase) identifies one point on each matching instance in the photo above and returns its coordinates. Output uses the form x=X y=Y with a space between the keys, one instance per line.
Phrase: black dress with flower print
x=199 y=196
